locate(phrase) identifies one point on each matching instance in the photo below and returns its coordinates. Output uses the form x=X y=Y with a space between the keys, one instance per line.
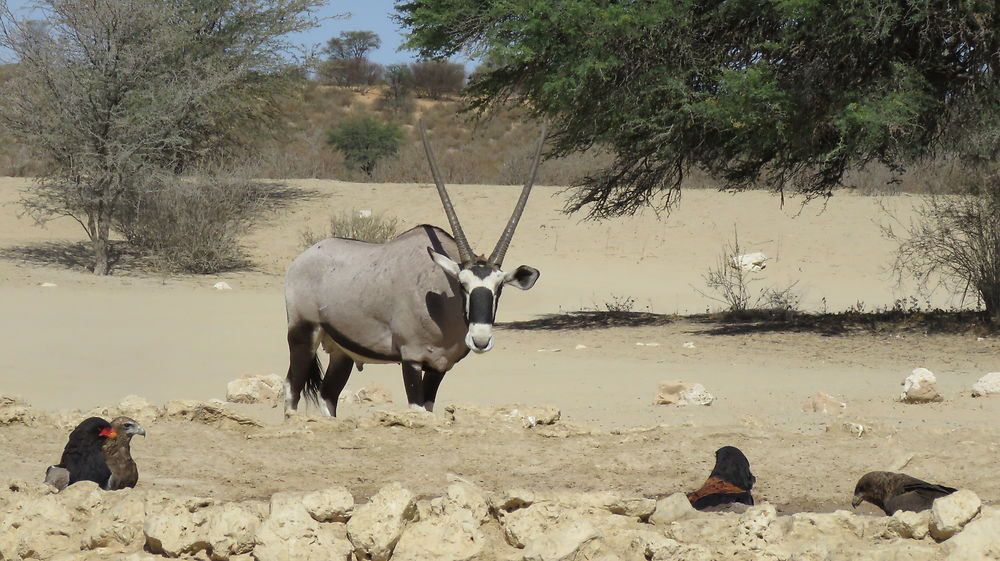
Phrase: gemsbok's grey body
x=423 y=300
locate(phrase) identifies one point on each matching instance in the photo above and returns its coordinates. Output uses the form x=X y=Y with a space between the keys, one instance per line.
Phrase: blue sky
x=364 y=15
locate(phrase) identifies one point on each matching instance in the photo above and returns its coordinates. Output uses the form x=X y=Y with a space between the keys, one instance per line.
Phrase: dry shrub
x=731 y=285
x=958 y=238
x=356 y=225
x=193 y=224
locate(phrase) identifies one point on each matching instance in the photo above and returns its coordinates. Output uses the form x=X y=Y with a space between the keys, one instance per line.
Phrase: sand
x=89 y=341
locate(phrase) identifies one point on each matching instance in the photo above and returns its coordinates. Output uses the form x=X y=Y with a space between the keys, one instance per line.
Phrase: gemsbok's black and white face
x=482 y=282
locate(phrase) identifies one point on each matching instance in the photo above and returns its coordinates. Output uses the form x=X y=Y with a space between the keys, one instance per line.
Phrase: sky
x=362 y=15
x=359 y=15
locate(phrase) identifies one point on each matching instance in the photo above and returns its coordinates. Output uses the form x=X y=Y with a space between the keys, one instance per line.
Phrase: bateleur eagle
x=893 y=492
x=98 y=451
x=730 y=481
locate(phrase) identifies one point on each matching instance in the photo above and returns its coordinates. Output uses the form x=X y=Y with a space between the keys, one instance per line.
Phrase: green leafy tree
x=120 y=94
x=777 y=93
x=364 y=141
x=397 y=97
x=347 y=62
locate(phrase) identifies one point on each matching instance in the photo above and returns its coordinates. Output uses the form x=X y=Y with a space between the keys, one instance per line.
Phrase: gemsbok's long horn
x=504 y=242
x=464 y=250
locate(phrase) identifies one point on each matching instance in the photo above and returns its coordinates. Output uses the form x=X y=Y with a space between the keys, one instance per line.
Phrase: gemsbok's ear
x=444 y=262
x=523 y=277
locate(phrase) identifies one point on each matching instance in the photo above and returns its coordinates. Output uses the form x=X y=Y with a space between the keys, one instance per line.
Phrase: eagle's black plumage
x=82 y=457
x=729 y=482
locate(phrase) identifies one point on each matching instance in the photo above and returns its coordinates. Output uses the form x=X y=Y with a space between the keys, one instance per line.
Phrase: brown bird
x=893 y=492
x=730 y=481
x=118 y=453
x=98 y=451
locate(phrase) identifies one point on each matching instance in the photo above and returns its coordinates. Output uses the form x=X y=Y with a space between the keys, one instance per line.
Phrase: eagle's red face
x=108 y=432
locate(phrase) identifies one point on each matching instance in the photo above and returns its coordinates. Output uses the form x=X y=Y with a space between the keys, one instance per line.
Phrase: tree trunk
x=102 y=249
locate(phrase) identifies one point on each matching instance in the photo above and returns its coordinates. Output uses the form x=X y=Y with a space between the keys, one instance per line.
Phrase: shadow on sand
x=764 y=321
x=590 y=320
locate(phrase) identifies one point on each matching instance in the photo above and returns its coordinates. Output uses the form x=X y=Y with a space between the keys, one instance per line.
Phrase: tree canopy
x=114 y=93
x=787 y=94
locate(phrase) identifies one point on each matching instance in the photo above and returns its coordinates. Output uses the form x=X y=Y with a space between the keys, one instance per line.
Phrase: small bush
x=356 y=225
x=437 y=78
x=364 y=141
x=192 y=225
x=958 y=238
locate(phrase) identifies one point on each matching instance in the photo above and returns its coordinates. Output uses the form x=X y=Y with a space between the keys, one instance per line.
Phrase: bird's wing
x=913 y=501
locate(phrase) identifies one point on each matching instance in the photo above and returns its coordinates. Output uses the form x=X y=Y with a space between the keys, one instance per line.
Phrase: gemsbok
x=423 y=300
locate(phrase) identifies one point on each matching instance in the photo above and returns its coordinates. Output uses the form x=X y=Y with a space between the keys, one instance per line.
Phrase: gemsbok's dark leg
x=414 y=384
x=337 y=374
x=301 y=363
x=432 y=379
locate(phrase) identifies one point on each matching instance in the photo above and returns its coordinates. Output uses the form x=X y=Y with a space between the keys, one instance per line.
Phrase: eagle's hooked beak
x=857 y=500
x=137 y=429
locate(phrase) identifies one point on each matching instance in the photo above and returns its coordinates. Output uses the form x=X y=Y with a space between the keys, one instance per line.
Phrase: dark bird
x=98 y=451
x=729 y=482
x=893 y=492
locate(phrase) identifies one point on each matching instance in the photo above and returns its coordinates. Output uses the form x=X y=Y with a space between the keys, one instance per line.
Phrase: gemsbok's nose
x=480 y=338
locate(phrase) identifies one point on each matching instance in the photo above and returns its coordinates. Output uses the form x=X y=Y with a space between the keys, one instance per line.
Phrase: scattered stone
x=464 y=497
x=208 y=413
x=688 y=345
x=670 y=509
x=121 y=525
x=175 y=525
x=855 y=429
x=986 y=385
x=580 y=347
x=410 y=418
x=823 y=403
x=15 y=411
x=138 y=408
x=755 y=523
x=376 y=526
x=750 y=262
x=681 y=393
x=920 y=387
x=373 y=394
x=231 y=528
x=222 y=285
x=334 y=504
x=906 y=524
x=289 y=533
x=978 y=540
x=266 y=388
x=48 y=285
x=951 y=513
x=514 y=499
x=548 y=531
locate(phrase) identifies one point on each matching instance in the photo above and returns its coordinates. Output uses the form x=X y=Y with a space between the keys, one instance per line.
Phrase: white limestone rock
x=906 y=524
x=333 y=504
x=920 y=387
x=289 y=533
x=681 y=393
x=376 y=526
x=978 y=541
x=670 y=509
x=951 y=513
x=988 y=384
x=823 y=403
x=267 y=389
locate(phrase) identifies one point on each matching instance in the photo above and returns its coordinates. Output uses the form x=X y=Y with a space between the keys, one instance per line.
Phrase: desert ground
x=87 y=342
